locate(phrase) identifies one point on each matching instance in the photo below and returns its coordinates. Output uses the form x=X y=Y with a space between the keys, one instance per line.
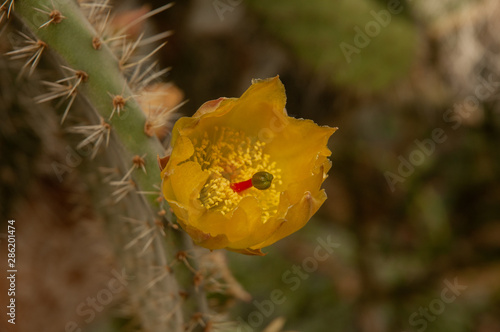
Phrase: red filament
x=240 y=186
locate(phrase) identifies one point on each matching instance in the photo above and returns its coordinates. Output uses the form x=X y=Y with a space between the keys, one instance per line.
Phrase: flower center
x=238 y=168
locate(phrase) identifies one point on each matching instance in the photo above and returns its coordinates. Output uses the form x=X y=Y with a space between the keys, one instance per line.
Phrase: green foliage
x=316 y=29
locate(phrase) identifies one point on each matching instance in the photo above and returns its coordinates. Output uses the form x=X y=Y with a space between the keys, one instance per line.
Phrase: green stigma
x=262 y=180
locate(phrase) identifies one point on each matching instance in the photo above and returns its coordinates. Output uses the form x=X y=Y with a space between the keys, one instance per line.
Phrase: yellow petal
x=248 y=251
x=296 y=147
x=304 y=198
x=182 y=151
x=180 y=125
x=297 y=217
x=260 y=109
x=254 y=230
x=210 y=107
x=186 y=181
x=206 y=240
x=257 y=112
x=300 y=148
x=295 y=191
x=243 y=229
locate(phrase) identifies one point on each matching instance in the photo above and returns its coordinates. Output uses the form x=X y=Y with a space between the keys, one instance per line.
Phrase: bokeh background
x=413 y=209
x=401 y=234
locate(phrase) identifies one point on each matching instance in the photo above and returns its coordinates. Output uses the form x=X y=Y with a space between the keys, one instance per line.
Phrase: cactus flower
x=242 y=173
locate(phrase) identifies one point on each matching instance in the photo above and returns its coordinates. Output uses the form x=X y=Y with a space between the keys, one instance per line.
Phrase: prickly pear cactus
x=96 y=73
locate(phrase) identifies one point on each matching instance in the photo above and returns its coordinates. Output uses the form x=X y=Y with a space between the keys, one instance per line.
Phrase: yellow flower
x=242 y=173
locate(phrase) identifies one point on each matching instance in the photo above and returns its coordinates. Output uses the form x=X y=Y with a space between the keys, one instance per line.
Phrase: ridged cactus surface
x=97 y=78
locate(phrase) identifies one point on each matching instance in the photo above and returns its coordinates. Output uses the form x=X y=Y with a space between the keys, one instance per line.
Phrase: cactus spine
x=96 y=75
x=66 y=31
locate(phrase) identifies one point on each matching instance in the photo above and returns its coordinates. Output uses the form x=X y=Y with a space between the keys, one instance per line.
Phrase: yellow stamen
x=230 y=157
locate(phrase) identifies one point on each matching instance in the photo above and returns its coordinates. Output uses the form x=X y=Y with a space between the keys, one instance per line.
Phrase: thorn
x=143 y=59
x=162 y=213
x=127 y=175
x=149 y=192
x=182 y=256
x=155 y=38
x=115 y=43
x=145 y=17
x=83 y=76
x=6 y=9
x=129 y=172
x=140 y=79
x=57 y=90
x=157 y=193
x=161 y=226
x=128 y=50
x=139 y=162
x=215 y=286
x=96 y=43
x=70 y=103
x=140 y=224
x=110 y=172
x=139 y=237
x=138 y=75
x=196 y=320
x=61 y=88
x=124 y=17
x=159 y=118
x=197 y=279
x=55 y=16
x=32 y=49
x=147 y=80
x=95 y=17
x=96 y=135
x=148 y=244
x=162 y=268
x=165 y=271
x=118 y=104
x=167 y=316
x=123 y=188
x=79 y=76
x=94 y=10
x=126 y=185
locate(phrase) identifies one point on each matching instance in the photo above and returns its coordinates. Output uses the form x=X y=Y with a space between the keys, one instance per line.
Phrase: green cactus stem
x=66 y=31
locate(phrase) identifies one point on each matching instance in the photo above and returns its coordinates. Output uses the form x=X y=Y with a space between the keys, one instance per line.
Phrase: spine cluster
x=101 y=73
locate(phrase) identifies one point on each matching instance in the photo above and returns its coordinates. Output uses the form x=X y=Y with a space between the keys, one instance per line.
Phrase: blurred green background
x=409 y=238
x=412 y=213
